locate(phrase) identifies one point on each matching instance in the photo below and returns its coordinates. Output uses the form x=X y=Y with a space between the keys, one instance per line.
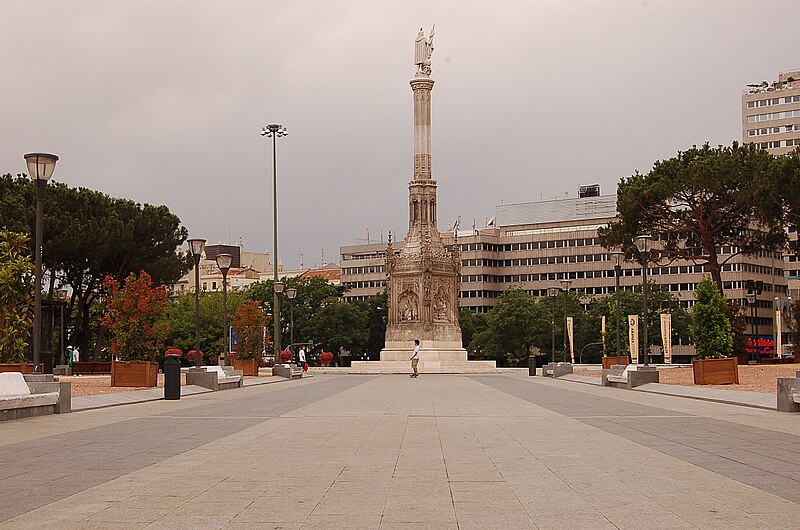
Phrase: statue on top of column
x=423 y=49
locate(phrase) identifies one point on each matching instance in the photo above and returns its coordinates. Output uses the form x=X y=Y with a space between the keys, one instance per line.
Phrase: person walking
x=301 y=358
x=415 y=359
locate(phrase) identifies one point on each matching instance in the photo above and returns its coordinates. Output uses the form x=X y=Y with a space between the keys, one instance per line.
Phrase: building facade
x=771 y=114
x=534 y=245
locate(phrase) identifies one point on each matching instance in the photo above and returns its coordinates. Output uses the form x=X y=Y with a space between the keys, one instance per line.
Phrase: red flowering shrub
x=326 y=357
x=286 y=356
x=135 y=317
x=250 y=321
x=190 y=356
x=173 y=351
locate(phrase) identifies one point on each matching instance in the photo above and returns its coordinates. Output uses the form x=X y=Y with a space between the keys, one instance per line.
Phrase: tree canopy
x=89 y=235
x=700 y=200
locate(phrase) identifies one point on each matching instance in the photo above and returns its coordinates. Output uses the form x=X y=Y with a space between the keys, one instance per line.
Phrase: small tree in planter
x=16 y=298
x=249 y=321
x=712 y=336
x=135 y=317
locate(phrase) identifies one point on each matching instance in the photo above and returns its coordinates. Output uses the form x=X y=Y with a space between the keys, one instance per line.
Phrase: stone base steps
x=425 y=367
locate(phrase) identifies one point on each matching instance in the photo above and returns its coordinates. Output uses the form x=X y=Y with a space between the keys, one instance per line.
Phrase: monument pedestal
x=433 y=359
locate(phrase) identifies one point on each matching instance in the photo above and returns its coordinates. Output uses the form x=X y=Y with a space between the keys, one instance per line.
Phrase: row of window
x=370 y=269
x=772 y=101
x=530 y=245
x=365 y=284
x=773 y=130
x=773 y=116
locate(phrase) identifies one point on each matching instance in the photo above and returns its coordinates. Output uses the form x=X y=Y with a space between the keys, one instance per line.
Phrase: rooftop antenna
x=322 y=253
x=301 y=260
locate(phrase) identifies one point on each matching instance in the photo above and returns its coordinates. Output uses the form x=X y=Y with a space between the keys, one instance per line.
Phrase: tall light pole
x=224 y=264
x=565 y=283
x=275 y=131
x=277 y=288
x=751 y=302
x=196 y=247
x=552 y=292
x=291 y=294
x=40 y=168
x=643 y=243
x=617 y=258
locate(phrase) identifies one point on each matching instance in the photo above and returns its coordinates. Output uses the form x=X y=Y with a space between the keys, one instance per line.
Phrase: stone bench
x=789 y=393
x=215 y=378
x=287 y=370
x=21 y=399
x=556 y=369
x=629 y=376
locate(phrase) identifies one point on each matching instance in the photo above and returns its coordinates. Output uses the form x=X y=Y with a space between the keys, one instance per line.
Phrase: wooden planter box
x=247 y=366
x=23 y=367
x=608 y=362
x=138 y=374
x=716 y=371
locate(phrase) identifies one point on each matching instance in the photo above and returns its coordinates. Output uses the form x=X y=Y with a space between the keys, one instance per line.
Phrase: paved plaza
x=441 y=451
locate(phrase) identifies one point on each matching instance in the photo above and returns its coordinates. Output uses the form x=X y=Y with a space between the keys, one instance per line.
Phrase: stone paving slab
x=493 y=451
x=735 y=397
x=152 y=394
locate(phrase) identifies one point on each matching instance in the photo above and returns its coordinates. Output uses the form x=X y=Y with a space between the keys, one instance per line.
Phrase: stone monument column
x=422 y=278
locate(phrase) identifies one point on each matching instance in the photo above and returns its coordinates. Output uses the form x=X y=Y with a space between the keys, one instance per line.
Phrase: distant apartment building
x=532 y=246
x=246 y=268
x=771 y=119
x=771 y=114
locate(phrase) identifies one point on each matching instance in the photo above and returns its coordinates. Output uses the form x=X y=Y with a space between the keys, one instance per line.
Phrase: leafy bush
x=135 y=317
x=249 y=321
x=16 y=296
x=710 y=328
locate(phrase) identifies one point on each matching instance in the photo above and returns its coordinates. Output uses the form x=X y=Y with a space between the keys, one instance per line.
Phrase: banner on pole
x=569 y=334
x=633 y=337
x=666 y=336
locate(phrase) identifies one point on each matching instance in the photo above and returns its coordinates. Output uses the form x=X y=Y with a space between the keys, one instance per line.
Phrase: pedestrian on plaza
x=415 y=359
x=69 y=356
x=76 y=355
x=301 y=359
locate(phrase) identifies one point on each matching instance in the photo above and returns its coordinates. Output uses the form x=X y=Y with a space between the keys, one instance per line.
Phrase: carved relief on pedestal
x=409 y=307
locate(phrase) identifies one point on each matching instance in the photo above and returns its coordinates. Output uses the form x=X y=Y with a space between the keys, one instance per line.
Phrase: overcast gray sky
x=163 y=101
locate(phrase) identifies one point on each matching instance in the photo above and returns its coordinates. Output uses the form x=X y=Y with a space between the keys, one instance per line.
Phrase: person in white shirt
x=415 y=359
x=301 y=358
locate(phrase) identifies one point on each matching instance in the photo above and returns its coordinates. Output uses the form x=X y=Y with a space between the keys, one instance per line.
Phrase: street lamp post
x=275 y=131
x=565 y=283
x=224 y=264
x=291 y=294
x=552 y=292
x=196 y=247
x=617 y=258
x=40 y=169
x=277 y=288
x=643 y=243
x=751 y=302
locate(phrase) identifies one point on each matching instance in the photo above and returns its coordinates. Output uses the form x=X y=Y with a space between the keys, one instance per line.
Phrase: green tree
x=472 y=324
x=509 y=333
x=313 y=294
x=16 y=296
x=88 y=236
x=710 y=327
x=701 y=200
x=181 y=321
x=340 y=325
x=377 y=311
x=659 y=299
